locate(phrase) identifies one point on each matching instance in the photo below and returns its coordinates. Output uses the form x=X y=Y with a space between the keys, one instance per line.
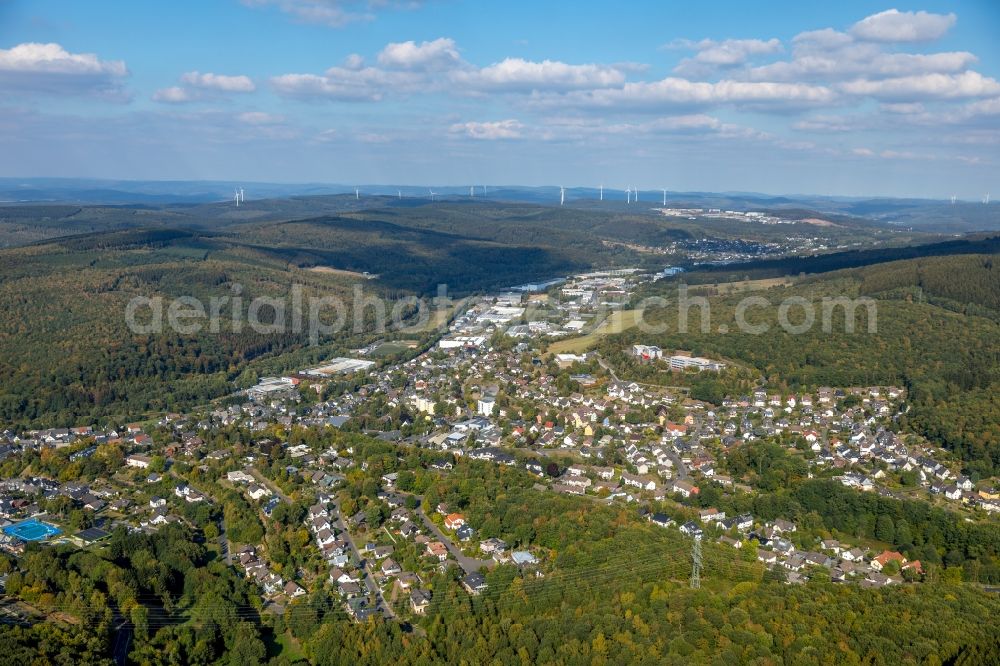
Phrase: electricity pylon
x=696 y=564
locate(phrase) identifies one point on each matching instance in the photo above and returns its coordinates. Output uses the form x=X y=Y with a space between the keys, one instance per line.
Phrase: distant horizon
x=348 y=189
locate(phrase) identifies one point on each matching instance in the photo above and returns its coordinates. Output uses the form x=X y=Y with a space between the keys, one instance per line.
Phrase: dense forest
x=935 y=338
x=67 y=356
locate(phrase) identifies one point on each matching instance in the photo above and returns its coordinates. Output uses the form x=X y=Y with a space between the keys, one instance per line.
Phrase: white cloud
x=984 y=107
x=354 y=61
x=35 y=58
x=35 y=67
x=818 y=40
x=197 y=86
x=433 y=66
x=673 y=91
x=434 y=55
x=368 y=84
x=925 y=86
x=860 y=59
x=174 y=95
x=893 y=25
x=727 y=53
x=525 y=75
x=219 y=82
x=499 y=129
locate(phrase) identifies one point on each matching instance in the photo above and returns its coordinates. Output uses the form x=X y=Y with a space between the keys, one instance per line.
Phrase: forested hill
x=68 y=358
x=958 y=281
x=937 y=332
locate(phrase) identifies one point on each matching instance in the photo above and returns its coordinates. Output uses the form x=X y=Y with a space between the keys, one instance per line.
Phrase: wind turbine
x=953 y=200
x=986 y=199
x=399 y=194
x=242 y=199
x=562 y=195
x=472 y=191
x=357 y=194
x=602 y=191
x=236 y=197
x=628 y=194
x=635 y=192
x=664 y=197
x=433 y=194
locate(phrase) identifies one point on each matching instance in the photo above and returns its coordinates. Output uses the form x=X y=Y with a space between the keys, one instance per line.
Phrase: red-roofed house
x=885 y=557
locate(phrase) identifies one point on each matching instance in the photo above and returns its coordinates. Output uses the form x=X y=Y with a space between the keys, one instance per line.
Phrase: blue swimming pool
x=32 y=530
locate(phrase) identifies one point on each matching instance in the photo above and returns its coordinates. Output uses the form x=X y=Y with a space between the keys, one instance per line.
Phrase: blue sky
x=831 y=98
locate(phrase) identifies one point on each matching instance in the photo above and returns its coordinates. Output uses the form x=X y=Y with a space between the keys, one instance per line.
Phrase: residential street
x=373 y=588
x=468 y=564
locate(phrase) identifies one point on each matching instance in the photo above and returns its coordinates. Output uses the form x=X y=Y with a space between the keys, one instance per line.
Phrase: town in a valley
x=293 y=450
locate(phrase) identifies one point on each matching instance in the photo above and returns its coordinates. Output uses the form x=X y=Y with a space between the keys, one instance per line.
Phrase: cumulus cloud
x=49 y=68
x=368 y=84
x=673 y=91
x=713 y=54
x=220 y=82
x=434 y=55
x=197 y=86
x=526 y=75
x=860 y=59
x=925 y=86
x=431 y=66
x=893 y=25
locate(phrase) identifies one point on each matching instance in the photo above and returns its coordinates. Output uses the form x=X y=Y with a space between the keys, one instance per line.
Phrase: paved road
x=373 y=588
x=607 y=366
x=269 y=484
x=682 y=472
x=123 y=638
x=468 y=564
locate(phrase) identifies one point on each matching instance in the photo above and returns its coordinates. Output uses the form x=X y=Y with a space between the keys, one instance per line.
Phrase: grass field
x=390 y=349
x=619 y=321
x=752 y=285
